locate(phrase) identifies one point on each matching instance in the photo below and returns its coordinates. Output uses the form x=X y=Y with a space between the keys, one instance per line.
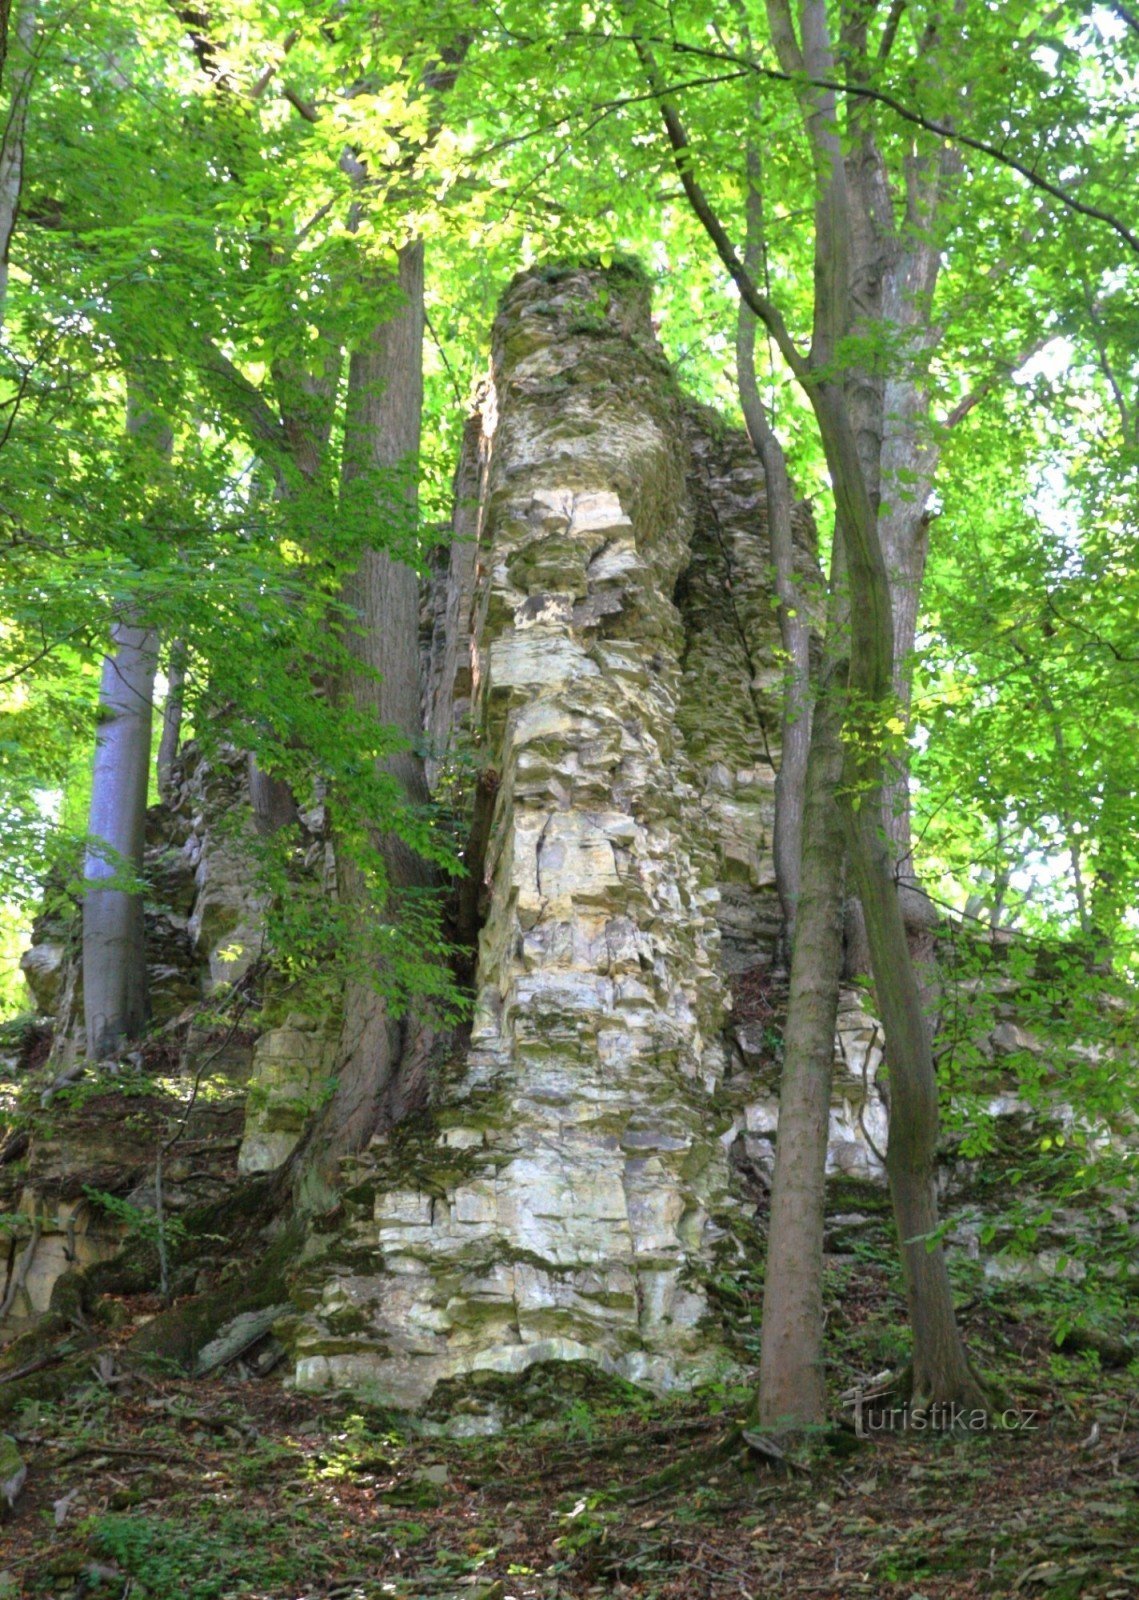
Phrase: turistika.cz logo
x=942 y=1417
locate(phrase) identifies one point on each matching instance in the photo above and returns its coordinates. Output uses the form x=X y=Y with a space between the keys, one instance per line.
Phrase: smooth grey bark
x=896 y=249
x=114 y=957
x=171 y=716
x=941 y=1371
x=19 y=70
x=380 y=1058
x=794 y=624
x=792 y=1387
x=845 y=412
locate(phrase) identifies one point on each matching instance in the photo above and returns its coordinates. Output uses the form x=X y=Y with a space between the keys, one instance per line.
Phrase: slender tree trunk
x=171 y=716
x=792 y=1391
x=845 y=269
x=794 y=625
x=114 y=958
x=381 y=448
x=19 y=70
x=843 y=286
x=941 y=1371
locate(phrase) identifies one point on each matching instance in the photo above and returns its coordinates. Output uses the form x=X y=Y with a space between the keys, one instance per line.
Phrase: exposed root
x=733 y=1449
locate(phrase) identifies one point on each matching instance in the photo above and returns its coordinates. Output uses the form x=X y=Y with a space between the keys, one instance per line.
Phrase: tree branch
x=764 y=309
x=943 y=130
x=245 y=401
x=998 y=373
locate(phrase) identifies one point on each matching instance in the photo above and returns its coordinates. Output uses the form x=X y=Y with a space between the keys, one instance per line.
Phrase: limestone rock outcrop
x=566 y=1195
x=603 y=686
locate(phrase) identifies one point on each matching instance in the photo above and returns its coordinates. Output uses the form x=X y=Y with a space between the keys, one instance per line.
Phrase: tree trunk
x=792 y=1391
x=794 y=626
x=19 y=70
x=848 y=264
x=171 y=716
x=271 y=800
x=941 y=1371
x=114 y=958
x=381 y=448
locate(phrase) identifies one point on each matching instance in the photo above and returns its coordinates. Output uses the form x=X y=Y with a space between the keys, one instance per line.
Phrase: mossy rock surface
x=545 y=1393
x=177 y=1335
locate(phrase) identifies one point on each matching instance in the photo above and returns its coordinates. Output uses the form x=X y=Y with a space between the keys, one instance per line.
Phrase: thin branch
x=246 y=400
x=768 y=313
x=1097 y=638
x=999 y=372
x=942 y=129
x=306 y=108
x=1099 y=339
x=262 y=82
x=52 y=644
x=443 y=357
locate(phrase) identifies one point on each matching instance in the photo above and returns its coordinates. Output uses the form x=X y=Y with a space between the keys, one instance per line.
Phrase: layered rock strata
x=560 y=1202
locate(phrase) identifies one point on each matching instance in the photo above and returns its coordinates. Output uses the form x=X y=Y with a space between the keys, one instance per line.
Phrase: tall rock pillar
x=558 y=1202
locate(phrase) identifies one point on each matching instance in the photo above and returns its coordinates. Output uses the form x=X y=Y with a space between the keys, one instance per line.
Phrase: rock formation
x=602 y=650
x=619 y=653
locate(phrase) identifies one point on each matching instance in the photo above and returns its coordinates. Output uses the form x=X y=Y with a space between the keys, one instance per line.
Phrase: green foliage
x=231 y=1551
x=196 y=230
x=191 y=229
x=138 y=1222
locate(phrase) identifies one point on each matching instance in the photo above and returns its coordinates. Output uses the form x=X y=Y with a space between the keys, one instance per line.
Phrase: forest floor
x=144 y=1487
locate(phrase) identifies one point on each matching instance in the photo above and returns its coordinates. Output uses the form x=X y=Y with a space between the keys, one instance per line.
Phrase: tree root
x=20 y=1272
x=737 y=1448
x=693 y=1466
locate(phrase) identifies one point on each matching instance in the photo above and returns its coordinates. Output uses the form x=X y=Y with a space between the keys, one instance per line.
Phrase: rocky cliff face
x=617 y=649
x=603 y=649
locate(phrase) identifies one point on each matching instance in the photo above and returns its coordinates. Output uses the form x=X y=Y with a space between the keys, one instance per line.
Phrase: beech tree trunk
x=381 y=448
x=171 y=716
x=941 y=1371
x=114 y=957
x=792 y=1390
x=849 y=265
x=114 y=954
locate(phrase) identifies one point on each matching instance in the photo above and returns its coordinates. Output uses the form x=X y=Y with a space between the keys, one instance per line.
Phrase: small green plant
x=579 y=1421
x=139 y=1222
